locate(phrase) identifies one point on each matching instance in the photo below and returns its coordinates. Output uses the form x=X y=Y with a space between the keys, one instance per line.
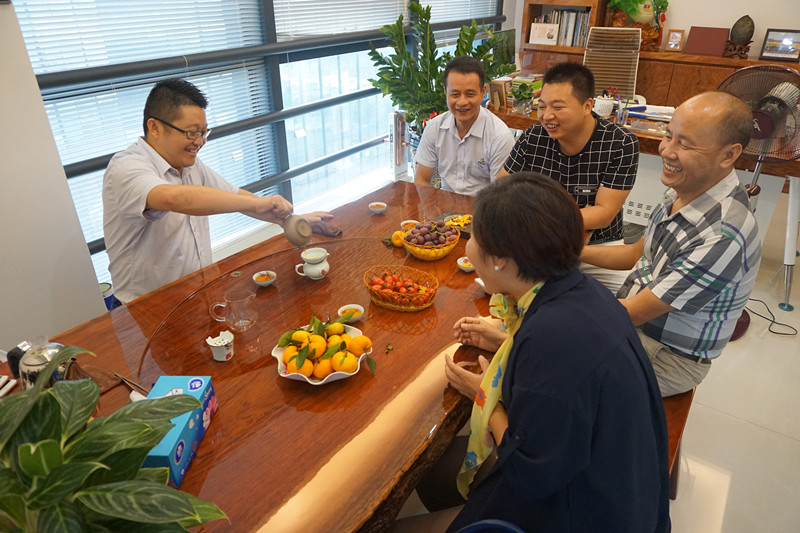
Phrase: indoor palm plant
x=62 y=471
x=414 y=81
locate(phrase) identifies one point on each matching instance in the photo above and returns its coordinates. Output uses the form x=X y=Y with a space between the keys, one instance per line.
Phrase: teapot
x=297 y=229
x=37 y=354
x=316 y=263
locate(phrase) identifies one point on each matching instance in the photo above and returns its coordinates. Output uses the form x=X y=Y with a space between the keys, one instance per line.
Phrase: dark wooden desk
x=283 y=455
x=648 y=144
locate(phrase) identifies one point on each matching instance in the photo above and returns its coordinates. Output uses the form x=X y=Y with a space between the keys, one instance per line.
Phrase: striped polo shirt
x=703 y=261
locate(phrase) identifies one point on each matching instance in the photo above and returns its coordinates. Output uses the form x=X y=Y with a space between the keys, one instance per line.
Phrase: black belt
x=695 y=358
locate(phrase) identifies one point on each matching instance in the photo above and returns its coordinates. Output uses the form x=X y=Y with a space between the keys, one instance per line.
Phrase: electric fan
x=772 y=92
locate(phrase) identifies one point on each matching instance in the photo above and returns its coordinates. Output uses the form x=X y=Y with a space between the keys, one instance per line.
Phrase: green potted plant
x=414 y=81
x=523 y=98
x=61 y=471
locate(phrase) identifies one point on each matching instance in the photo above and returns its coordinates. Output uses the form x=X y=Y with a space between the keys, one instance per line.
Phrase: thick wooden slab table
x=286 y=456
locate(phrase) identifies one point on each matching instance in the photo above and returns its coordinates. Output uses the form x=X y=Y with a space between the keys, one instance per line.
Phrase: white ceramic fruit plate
x=277 y=353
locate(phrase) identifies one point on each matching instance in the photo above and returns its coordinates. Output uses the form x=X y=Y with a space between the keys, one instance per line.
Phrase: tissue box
x=177 y=448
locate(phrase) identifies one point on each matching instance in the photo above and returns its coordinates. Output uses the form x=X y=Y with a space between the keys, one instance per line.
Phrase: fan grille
x=772 y=92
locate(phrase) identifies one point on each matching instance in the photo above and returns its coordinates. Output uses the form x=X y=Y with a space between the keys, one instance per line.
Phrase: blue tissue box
x=177 y=448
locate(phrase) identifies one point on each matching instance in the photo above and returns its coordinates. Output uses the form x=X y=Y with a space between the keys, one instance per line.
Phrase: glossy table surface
x=282 y=455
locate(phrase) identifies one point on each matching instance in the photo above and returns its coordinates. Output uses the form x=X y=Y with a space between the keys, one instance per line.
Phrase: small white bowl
x=377 y=207
x=465 y=265
x=266 y=283
x=408 y=224
x=355 y=318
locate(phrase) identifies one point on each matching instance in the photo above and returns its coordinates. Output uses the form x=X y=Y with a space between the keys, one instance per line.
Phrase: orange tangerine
x=322 y=368
x=288 y=353
x=306 y=369
x=359 y=345
x=316 y=346
x=397 y=238
x=334 y=340
x=301 y=336
x=337 y=328
x=344 y=362
x=346 y=338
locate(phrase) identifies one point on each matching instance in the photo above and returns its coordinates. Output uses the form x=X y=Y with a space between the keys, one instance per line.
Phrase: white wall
x=47 y=284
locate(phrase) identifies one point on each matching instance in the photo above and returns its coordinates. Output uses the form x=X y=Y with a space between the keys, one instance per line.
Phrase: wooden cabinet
x=663 y=78
x=533 y=61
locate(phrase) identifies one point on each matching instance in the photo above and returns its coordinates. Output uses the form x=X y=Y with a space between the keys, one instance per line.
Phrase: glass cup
x=238 y=312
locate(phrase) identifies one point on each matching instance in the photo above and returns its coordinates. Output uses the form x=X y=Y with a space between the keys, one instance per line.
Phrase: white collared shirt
x=465 y=165
x=148 y=248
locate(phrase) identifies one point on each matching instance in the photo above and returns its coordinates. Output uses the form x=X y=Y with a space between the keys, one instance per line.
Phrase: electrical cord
x=771 y=318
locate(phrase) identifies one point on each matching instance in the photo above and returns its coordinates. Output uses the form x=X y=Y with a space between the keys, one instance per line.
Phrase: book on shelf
x=571 y=28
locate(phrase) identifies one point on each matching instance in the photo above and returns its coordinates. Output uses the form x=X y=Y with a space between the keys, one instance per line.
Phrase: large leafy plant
x=413 y=77
x=61 y=471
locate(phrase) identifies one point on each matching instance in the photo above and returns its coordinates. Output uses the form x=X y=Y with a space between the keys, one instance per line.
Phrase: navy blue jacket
x=586 y=446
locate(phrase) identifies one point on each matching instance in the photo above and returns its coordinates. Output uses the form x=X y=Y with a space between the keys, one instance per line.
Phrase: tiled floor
x=740 y=468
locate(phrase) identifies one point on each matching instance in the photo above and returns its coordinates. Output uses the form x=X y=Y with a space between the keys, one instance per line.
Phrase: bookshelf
x=537 y=57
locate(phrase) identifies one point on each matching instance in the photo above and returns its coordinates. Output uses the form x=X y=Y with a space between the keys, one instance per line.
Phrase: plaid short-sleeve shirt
x=610 y=159
x=703 y=261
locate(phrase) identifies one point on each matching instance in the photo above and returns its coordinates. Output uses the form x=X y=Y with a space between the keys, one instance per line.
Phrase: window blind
x=446 y=10
x=303 y=18
x=66 y=35
x=99 y=119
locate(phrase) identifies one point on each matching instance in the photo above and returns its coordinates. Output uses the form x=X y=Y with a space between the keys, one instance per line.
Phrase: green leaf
x=152 y=410
x=156 y=475
x=64 y=517
x=332 y=350
x=40 y=458
x=285 y=338
x=315 y=325
x=77 y=400
x=9 y=424
x=9 y=484
x=13 y=506
x=61 y=482
x=101 y=441
x=120 y=466
x=43 y=422
x=347 y=316
x=140 y=501
x=371 y=364
x=301 y=356
x=204 y=512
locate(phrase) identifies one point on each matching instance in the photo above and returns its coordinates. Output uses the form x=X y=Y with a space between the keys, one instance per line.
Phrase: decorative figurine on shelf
x=738 y=45
x=648 y=15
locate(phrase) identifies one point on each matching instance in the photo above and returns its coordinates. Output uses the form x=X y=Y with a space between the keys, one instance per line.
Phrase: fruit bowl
x=430 y=252
x=277 y=353
x=398 y=301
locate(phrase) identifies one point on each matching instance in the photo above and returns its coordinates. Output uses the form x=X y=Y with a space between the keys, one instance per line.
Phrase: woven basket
x=431 y=253
x=398 y=301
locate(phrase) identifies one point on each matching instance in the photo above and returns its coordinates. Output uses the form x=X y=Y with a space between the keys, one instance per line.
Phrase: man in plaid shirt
x=698 y=260
x=595 y=160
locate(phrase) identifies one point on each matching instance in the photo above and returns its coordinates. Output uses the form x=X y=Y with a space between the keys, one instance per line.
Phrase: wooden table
x=281 y=455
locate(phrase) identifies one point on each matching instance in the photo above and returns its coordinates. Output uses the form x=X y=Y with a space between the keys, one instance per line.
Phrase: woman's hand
x=463 y=380
x=477 y=332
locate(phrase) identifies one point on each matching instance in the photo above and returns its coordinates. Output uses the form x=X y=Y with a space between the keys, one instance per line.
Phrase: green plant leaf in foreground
x=61 y=482
x=8 y=427
x=204 y=512
x=100 y=442
x=152 y=410
x=59 y=518
x=143 y=501
x=156 y=475
x=38 y=459
x=77 y=400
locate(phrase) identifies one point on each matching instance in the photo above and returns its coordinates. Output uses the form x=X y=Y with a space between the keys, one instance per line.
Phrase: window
x=102 y=118
x=301 y=18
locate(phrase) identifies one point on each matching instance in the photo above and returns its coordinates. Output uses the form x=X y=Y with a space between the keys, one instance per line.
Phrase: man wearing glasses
x=157 y=195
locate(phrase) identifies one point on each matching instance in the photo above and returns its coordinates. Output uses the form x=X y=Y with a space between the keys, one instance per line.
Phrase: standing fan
x=772 y=92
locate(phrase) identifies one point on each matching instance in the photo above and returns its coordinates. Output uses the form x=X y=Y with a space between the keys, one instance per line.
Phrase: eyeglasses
x=191 y=135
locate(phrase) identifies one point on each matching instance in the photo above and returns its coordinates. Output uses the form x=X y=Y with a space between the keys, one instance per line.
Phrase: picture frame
x=674 y=41
x=781 y=45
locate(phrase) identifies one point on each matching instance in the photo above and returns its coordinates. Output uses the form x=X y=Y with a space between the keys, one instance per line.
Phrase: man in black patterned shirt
x=595 y=160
